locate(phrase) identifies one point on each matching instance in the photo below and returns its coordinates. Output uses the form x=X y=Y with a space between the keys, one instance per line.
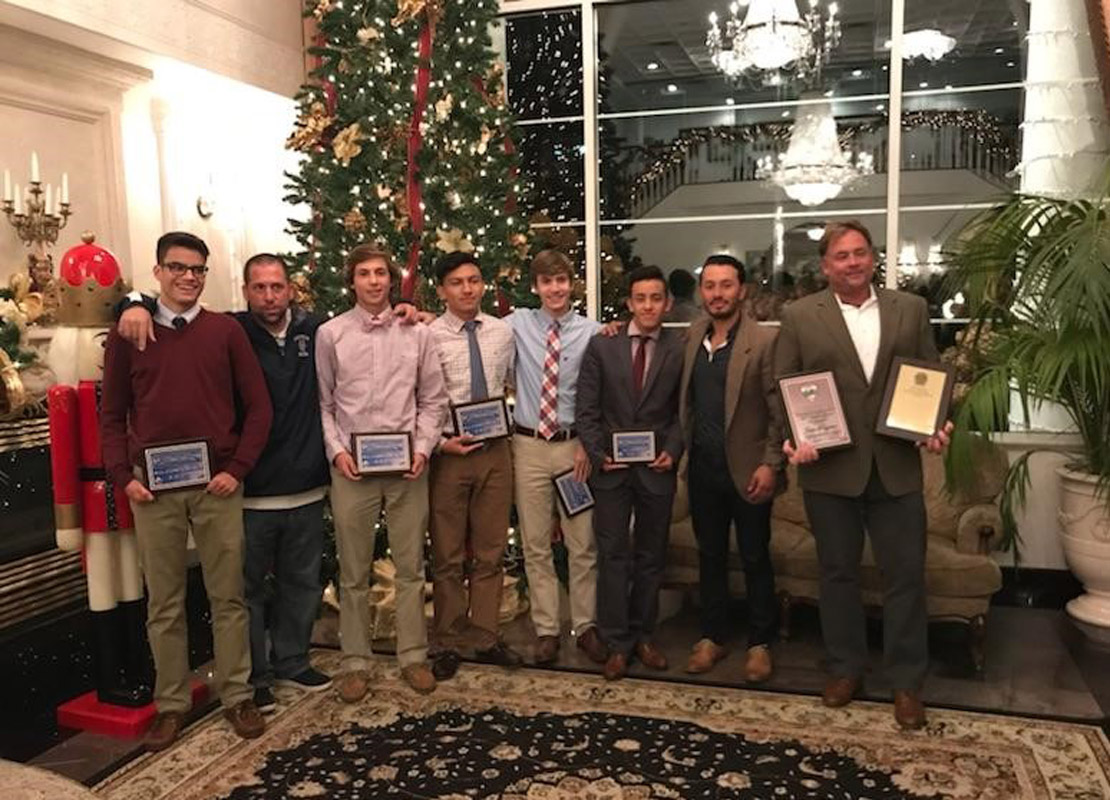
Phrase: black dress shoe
x=500 y=654
x=445 y=665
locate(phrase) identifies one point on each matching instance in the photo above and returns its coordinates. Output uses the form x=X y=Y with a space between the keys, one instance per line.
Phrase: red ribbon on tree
x=416 y=140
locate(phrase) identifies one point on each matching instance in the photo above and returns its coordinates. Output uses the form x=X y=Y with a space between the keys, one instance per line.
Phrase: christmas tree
x=407 y=143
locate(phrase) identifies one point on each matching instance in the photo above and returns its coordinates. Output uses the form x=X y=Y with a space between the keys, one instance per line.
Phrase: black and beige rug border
x=959 y=754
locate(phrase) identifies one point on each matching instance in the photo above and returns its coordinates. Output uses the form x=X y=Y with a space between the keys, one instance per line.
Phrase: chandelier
x=928 y=43
x=774 y=41
x=814 y=168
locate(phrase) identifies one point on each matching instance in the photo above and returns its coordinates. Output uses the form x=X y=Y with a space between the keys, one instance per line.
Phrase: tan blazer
x=814 y=337
x=753 y=414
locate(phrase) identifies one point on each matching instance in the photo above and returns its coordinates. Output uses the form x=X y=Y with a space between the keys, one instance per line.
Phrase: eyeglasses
x=177 y=269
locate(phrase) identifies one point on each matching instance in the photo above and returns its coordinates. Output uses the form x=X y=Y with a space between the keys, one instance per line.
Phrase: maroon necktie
x=639 y=362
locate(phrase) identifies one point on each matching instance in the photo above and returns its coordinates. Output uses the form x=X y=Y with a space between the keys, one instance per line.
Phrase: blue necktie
x=478 y=389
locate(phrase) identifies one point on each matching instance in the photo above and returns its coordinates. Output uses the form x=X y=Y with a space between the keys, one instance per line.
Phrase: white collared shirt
x=863 y=326
x=165 y=317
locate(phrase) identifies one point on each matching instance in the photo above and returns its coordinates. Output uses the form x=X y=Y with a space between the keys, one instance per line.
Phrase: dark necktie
x=179 y=322
x=639 y=362
x=478 y=388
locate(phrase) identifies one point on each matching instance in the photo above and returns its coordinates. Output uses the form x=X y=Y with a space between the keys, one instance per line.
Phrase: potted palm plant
x=1035 y=272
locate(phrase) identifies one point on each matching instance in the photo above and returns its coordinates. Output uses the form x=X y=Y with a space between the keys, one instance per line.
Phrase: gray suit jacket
x=606 y=402
x=753 y=414
x=814 y=337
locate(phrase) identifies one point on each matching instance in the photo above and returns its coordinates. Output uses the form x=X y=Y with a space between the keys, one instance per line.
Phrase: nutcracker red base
x=86 y=713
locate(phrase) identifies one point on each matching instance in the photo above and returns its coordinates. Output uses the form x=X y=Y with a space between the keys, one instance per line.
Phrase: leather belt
x=560 y=436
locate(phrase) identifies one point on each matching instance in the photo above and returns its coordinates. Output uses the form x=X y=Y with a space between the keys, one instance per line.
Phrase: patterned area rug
x=545 y=735
x=31 y=783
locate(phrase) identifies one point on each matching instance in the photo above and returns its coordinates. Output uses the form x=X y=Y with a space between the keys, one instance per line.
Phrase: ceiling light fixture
x=652 y=66
x=774 y=41
x=928 y=43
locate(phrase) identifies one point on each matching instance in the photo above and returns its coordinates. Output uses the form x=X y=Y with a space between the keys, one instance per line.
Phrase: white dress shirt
x=863 y=327
x=164 y=316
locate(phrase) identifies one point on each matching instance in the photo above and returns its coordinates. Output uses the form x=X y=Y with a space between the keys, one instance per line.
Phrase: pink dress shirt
x=378 y=375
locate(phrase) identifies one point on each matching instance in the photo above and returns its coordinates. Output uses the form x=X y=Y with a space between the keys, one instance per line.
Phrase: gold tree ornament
x=483 y=141
x=444 y=106
x=346 y=145
x=453 y=241
x=302 y=291
x=310 y=126
x=411 y=9
x=519 y=241
x=354 y=221
x=383 y=191
x=368 y=35
x=322 y=8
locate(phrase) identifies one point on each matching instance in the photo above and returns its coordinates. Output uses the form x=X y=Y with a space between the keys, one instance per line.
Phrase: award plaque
x=482 y=420
x=177 y=465
x=633 y=447
x=574 y=497
x=813 y=410
x=382 y=453
x=915 y=403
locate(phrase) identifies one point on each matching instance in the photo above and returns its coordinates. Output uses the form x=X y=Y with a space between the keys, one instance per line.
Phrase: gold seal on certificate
x=481 y=420
x=633 y=447
x=177 y=465
x=813 y=410
x=915 y=403
x=382 y=453
x=574 y=496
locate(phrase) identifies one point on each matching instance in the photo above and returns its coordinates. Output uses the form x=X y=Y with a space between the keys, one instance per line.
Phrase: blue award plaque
x=574 y=496
x=177 y=465
x=482 y=420
x=382 y=453
x=633 y=447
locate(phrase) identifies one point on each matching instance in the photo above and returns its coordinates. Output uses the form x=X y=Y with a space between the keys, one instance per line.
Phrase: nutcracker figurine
x=90 y=513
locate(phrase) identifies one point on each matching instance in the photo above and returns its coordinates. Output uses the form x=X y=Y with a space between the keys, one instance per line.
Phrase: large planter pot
x=1084 y=520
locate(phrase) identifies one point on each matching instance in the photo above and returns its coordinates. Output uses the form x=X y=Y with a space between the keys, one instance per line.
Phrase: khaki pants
x=162 y=528
x=471 y=497
x=535 y=463
x=355 y=506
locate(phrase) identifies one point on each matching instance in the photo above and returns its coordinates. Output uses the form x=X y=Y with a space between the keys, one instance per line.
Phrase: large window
x=644 y=147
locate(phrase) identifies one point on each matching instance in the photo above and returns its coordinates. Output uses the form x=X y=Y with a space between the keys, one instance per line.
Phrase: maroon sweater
x=200 y=382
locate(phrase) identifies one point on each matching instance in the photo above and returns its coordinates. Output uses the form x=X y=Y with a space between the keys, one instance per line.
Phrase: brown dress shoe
x=547 y=649
x=909 y=711
x=352 y=686
x=839 y=692
x=758 y=665
x=163 y=732
x=616 y=667
x=650 y=656
x=419 y=677
x=589 y=642
x=705 y=654
x=246 y=719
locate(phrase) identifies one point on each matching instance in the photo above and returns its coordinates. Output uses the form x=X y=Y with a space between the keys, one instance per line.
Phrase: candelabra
x=37 y=216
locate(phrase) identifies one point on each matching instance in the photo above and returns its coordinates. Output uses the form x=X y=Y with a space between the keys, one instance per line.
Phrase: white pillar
x=1066 y=136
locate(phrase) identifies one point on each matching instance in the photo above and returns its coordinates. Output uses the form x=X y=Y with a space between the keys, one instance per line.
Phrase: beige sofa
x=960 y=575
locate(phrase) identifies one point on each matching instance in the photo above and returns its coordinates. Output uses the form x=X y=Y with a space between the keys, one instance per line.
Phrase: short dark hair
x=682 y=283
x=834 y=230
x=646 y=273
x=366 y=252
x=725 y=260
x=451 y=262
x=258 y=260
x=180 y=239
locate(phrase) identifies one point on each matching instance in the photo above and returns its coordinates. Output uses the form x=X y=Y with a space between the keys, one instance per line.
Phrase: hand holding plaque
x=574 y=496
x=177 y=465
x=916 y=400
x=814 y=411
x=633 y=447
x=382 y=453
x=482 y=420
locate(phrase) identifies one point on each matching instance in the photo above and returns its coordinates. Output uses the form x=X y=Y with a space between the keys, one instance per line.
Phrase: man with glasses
x=200 y=381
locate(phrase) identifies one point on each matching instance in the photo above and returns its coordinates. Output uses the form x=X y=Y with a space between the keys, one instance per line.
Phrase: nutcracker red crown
x=90 y=284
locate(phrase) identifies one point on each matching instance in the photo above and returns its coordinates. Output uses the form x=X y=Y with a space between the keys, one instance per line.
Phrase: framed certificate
x=813 y=410
x=574 y=497
x=915 y=403
x=177 y=465
x=633 y=447
x=482 y=420
x=382 y=453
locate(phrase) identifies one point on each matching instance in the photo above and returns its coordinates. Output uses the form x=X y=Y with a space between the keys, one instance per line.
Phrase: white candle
x=18 y=200
x=65 y=187
x=34 y=167
x=7 y=184
x=49 y=206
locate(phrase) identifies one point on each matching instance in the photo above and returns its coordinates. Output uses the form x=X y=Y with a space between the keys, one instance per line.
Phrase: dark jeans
x=716 y=505
x=630 y=568
x=896 y=527
x=287 y=543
